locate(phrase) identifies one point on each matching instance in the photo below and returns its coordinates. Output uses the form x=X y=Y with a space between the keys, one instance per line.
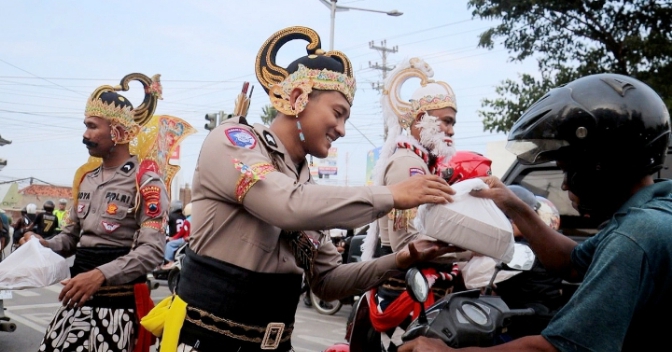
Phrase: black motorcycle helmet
x=48 y=206
x=609 y=131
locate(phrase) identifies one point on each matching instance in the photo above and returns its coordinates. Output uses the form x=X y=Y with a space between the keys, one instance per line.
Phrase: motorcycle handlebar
x=520 y=312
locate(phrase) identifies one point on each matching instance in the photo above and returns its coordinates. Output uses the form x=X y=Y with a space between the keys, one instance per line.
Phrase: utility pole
x=3 y=162
x=384 y=50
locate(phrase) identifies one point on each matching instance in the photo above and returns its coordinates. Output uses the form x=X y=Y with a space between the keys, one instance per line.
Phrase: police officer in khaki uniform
x=115 y=231
x=257 y=213
x=427 y=121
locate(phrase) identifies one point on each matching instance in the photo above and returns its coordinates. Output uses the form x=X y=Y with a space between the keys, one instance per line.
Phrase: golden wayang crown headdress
x=431 y=95
x=126 y=121
x=154 y=137
x=318 y=70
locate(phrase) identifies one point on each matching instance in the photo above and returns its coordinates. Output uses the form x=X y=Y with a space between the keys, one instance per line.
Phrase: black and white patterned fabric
x=91 y=329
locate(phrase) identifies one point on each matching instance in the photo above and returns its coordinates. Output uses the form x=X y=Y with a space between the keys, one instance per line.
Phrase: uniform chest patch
x=415 y=171
x=241 y=137
x=80 y=208
x=109 y=226
x=111 y=209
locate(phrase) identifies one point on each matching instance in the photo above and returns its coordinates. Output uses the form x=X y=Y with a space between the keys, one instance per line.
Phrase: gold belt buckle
x=272 y=336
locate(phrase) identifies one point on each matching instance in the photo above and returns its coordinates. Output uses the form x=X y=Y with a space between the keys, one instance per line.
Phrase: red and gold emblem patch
x=111 y=209
x=152 y=197
x=152 y=224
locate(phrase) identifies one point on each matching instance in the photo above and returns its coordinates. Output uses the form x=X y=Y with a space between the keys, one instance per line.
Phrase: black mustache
x=88 y=143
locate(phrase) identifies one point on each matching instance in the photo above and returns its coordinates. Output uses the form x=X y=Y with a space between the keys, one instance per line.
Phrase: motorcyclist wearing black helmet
x=22 y=224
x=609 y=133
x=45 y=223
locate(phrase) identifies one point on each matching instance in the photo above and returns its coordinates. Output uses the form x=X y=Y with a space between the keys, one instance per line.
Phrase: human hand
x=424 y=344
x=420 y=189
x=422 y=251
x=27 y=236
x=81 y=288
x=503 y=197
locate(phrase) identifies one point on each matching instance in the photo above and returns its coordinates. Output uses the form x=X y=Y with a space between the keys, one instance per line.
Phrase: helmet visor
x=535 y=151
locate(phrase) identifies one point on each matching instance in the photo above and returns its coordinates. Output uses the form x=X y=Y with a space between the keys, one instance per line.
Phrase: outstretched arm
x=551 y=247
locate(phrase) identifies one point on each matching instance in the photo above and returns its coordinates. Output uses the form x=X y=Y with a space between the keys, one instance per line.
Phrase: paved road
x=31 y=310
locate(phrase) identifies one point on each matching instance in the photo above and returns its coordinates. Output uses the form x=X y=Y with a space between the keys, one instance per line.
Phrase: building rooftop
x=47 y=191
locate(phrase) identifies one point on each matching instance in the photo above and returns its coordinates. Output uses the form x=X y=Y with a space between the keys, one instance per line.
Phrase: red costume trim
x=398 y=310
x=143 y=304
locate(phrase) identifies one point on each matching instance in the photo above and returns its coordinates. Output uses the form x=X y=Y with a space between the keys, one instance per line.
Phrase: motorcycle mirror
x=523 y=258
x=418 y=288
x=417 y=285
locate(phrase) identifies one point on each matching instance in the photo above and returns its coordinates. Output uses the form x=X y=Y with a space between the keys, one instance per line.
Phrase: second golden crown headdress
x=119 y=111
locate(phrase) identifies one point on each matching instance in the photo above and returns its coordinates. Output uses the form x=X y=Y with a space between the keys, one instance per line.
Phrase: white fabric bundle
x=471 y=223
x=32 y=265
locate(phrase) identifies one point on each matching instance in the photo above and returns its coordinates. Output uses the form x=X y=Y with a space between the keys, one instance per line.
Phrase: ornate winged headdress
x=152 y=138
x=106 y=103
x=319 y=70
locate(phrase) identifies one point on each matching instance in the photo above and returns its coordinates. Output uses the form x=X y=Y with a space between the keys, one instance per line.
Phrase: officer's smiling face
x=323 y=121
x=97 y=136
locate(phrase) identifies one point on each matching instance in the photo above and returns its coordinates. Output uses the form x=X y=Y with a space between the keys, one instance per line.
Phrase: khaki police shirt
x=107 y=213
x=241 y=224
x=404 y=163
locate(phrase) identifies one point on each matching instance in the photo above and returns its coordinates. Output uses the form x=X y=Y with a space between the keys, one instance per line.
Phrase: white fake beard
x=432 y=138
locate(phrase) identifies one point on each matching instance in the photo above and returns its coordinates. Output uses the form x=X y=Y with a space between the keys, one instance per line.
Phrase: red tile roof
x=48 y=191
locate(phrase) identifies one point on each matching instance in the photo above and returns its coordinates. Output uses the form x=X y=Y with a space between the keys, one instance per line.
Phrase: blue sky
x=54 y=53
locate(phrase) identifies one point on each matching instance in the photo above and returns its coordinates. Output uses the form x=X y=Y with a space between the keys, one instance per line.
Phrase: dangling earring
x=298 y=126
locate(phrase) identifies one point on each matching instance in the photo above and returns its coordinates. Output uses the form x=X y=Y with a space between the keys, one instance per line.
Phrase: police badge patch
x=151 y=196
x=416 y=171
x=269 y=139
x=128 y=167
x=112 y=209
x=241 y=137
x=109 y=226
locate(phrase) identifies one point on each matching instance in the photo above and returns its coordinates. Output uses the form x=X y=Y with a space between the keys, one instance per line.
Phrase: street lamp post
x=331 y=4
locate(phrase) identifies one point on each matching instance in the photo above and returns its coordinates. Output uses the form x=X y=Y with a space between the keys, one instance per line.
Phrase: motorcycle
x=5 y=324
x=461 y=319
x=468 y=318
x=351 y=244
x=172 y=274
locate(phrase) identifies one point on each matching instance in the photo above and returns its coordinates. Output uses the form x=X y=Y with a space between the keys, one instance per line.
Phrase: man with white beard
x=420 y=135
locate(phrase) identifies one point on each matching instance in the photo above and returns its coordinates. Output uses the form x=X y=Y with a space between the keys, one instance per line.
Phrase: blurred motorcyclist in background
x=60 y=213
x=183 y=228
x=45 y=223
x=21 y=226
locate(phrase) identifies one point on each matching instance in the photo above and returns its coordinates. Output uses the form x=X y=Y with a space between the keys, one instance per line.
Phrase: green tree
x=574 y=38
x=268 y=113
